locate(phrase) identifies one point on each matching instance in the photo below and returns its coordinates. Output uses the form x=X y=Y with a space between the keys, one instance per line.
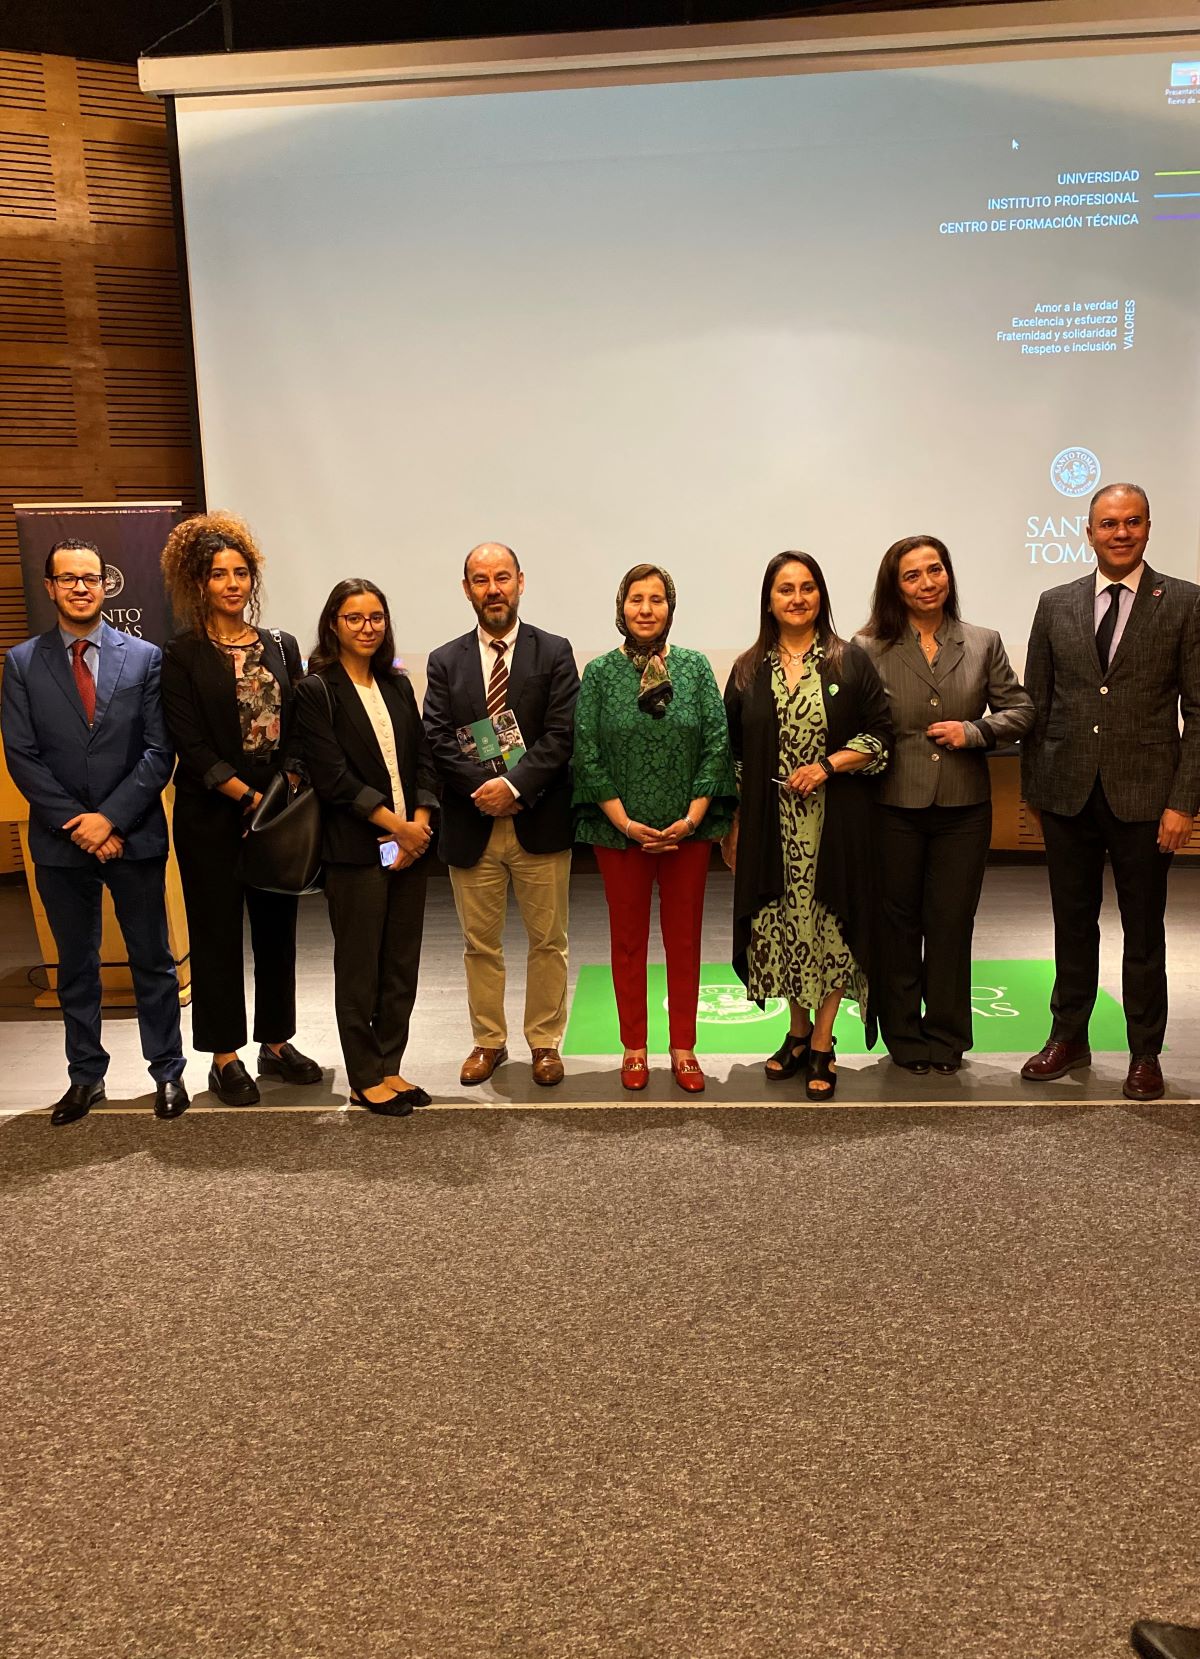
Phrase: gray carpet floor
x=731 y=1382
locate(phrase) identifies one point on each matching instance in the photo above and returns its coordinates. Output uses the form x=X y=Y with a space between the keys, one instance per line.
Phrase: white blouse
x=381 y=720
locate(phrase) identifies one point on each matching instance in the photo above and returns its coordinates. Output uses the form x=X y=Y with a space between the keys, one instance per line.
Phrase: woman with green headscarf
x=654 y=787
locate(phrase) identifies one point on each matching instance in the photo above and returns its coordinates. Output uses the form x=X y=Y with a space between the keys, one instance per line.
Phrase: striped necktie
x=497 y=690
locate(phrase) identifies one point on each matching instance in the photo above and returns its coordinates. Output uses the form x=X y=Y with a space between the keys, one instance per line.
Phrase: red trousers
x=629 y=877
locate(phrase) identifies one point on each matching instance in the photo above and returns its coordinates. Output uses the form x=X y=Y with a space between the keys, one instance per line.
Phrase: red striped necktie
x=497 y=690
x=84 y=683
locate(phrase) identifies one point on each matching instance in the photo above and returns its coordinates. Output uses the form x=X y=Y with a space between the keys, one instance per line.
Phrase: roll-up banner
x=130 y=536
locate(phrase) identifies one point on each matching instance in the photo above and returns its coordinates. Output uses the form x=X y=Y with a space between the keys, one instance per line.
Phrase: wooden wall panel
x=94 y=394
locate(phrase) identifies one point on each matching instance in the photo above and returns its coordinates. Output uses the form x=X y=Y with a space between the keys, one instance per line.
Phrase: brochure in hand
x=494 y=742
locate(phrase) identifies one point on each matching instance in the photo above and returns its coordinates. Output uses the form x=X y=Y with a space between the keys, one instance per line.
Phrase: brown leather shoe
x=547 y=1067
x=1144 y=1079
x=480 y=1064
x=1056 y=1060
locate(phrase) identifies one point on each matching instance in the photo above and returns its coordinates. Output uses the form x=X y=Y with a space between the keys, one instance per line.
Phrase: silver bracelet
x=691 y=827
x=625 y=831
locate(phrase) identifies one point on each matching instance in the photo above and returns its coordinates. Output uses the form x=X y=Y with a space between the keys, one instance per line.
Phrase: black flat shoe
x=76 y=1103
x=395 y=1106
x=289 y=1064
x=917 y=1067
x=788 y=1058
x=170 y=1099
x=947 y=1068
x=820 y=1070
x=233 y=1085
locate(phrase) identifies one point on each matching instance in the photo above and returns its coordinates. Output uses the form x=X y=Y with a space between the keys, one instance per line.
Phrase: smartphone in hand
x=389 y=852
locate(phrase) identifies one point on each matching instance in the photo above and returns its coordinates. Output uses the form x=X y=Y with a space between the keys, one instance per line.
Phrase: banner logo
x=114 y=581
x=1075 y=472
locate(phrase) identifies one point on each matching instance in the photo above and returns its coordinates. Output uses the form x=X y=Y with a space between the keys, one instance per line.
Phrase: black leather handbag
x=281 y=850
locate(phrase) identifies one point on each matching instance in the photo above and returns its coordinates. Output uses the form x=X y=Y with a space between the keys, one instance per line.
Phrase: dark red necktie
x=84 y=683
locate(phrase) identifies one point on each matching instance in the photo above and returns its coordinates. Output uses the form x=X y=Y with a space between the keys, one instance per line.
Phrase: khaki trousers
x=541 y=883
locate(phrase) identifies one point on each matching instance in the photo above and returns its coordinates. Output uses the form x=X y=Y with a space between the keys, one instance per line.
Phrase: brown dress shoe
x=480 y=1064
x=1144 y=1079
x=547 y=1067
x=1056 y=1060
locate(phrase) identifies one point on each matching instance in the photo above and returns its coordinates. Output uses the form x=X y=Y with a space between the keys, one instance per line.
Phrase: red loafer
x=635 y=1073
x=688 y=1075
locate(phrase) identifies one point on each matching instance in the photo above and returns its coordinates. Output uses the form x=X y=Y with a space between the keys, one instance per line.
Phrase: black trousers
x=931 y=864
x=1075 y=849
x=208 y=842
x=72 y=897
x=377 y=917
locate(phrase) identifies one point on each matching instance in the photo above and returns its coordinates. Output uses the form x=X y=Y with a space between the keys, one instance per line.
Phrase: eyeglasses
x=357 y=621
x=91 y=581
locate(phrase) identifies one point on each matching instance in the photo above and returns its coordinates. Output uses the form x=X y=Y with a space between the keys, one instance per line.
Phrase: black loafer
x=76 y=1103
x=397 y=1104
x=233 y=1085
x=917 y=1067
x=289 y=1064
x=171 y=1099
x=947 y=1068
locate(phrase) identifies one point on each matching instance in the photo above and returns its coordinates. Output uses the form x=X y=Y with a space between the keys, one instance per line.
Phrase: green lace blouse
x=656 y=767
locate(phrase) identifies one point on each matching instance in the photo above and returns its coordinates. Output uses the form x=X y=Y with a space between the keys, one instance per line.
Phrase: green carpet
x=1011 y=1001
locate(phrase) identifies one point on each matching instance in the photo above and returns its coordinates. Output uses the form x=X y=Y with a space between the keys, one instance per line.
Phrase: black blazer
x=345 y=763
x=543 y=684
x=200 y=704
x=855 y=702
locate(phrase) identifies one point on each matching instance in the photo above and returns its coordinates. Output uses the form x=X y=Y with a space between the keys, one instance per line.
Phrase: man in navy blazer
x=1113 y=668
x=85 y=742
x=500 y=826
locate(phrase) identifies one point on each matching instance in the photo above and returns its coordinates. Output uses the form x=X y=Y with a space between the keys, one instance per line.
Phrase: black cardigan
x=855 y=702
x=346 y=765
x=199 y=695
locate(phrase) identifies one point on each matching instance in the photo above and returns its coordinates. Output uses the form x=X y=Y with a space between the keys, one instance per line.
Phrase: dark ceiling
x=122 y=30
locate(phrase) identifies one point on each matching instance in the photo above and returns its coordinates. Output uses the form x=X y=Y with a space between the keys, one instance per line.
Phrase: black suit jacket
x=199 y=695
x=1121 y=727
x=543 y=684
x=345 y=763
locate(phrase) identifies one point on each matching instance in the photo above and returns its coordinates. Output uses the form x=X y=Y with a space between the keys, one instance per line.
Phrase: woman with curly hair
x=227 y=695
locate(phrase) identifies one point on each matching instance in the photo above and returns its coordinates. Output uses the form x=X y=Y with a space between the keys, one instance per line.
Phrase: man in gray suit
x=1114 y=659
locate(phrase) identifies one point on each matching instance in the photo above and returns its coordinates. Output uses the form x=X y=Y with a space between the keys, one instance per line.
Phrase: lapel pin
x=1157 y=594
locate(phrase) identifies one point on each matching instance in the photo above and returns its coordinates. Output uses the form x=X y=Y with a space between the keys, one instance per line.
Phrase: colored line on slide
x=1173 y=195
x=1177 y=215
x=1180 y=173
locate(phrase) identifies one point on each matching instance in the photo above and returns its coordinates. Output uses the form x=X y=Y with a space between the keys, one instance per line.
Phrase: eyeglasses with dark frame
x=357 y=621
x=90 y=579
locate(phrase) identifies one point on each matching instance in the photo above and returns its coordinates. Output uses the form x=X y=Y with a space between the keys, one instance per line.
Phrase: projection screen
x=698 y=321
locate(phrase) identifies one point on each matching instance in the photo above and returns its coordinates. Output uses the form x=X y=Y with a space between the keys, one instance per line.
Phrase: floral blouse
x=259 y=698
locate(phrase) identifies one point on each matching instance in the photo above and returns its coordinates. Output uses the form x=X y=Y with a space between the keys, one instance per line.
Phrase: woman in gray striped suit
x=953 y=696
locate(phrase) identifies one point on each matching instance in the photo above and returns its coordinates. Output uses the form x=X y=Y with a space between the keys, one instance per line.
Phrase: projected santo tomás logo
x=724 y=1002
x=1075 y=472
x=114 y=581
x=988 y=1003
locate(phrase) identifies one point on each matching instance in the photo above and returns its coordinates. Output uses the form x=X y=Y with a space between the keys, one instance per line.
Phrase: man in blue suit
x=84 y=737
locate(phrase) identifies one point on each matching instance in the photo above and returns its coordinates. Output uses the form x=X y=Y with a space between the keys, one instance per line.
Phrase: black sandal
x=789 y=1057
x=820 y=1070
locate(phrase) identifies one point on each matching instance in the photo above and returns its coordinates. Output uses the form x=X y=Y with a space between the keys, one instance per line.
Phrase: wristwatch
x=247 y=800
